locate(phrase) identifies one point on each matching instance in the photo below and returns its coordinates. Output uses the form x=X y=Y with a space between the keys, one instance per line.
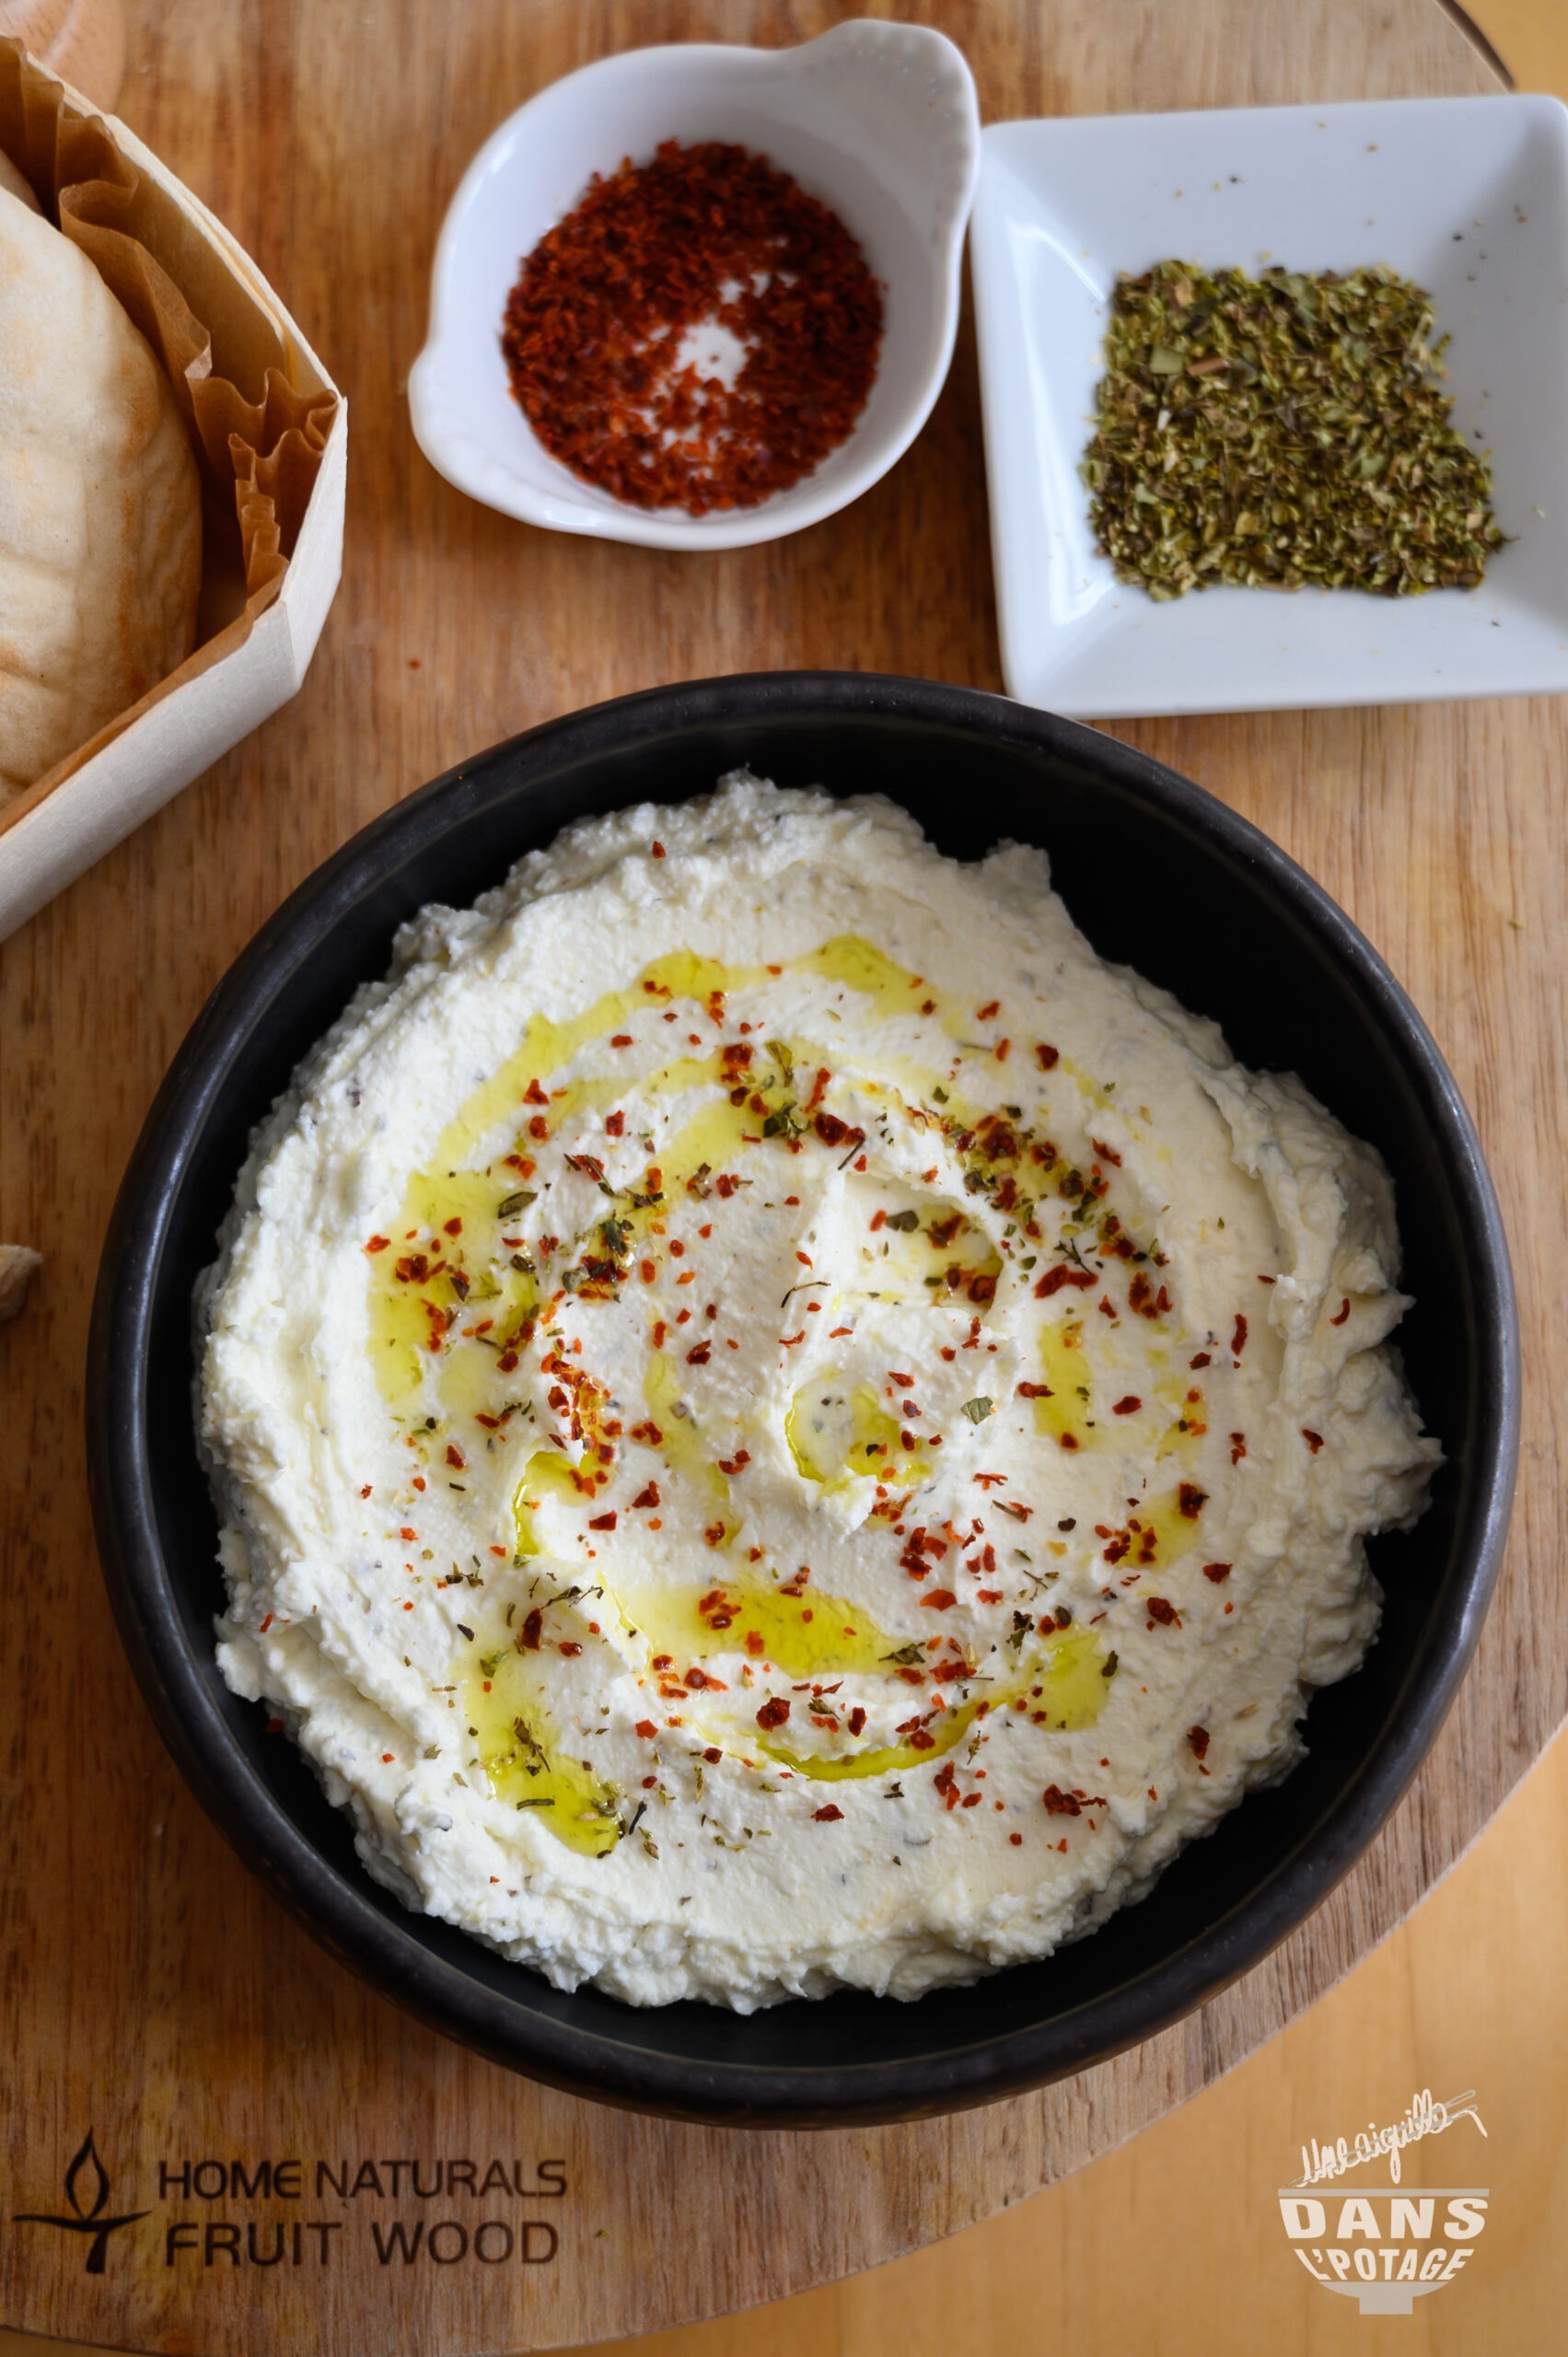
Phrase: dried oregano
x=1281 y=429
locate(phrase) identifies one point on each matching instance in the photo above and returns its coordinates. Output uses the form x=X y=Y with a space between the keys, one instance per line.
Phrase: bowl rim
x=470 y=469
x=339 y=1909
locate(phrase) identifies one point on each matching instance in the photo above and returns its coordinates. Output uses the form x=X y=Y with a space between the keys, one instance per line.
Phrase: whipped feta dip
x=779 y=1423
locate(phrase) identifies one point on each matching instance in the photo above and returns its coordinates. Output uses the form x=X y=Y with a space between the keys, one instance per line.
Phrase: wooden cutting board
x=256 y=2116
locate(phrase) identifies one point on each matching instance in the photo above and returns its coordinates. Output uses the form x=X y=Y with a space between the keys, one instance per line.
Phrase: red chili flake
x=647 y=1729
x=603 y=1521
x=703 y=235
x=1067 y=1440
x=407 y=1535
x=857 y=1720
x=621 y=1040
x=699 y=1353
x=1216 y=1571
x=833 y=1132
x=828 y=1816
x=534 y=1094
x=1344 y=1311
x=646 y=1498
x=1106 y=1153
x=1046 y=1056
x=1238 y=1447
x=1200 y=1359
x=386 y=1758
x=1199 y=1739
x=1163 y=1611
x=368 y=1486
x=1062 y=1274
x=983 y=1013
x=1128 y=1407
x=1238 y=1339
x=1314 y=1440
x=712 y=1755
x=539 y=1127
x=939 y=1599
x=1190 y=1500
x=658 y=851
x=774 y=1711
x=714 y=1534
x=378 y=1243
x=533 y=1629
x=568 y=1647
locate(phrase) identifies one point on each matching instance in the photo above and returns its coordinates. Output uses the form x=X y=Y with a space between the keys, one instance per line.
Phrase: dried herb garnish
x=1279 y=430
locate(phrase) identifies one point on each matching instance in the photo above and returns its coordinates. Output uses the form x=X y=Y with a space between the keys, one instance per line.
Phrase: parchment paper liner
x=258 y=434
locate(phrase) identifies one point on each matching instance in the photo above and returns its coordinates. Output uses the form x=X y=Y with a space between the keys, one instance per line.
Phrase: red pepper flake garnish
x=1064 y=1274
x=378 y=1244
x=1216 y=1571
x=658 y=851
x=706 y=233
x=647 y=1729
x=1163 y=1611
x=621 y=1040
x=774 y=1711
x=1344 y=1312
x=1199 y=1739
x=1190 y=1500
x=368 y=1486
x=534 y=1094
x=1314 y=1440
x=828 y=1816
x=939 y=1599
x=1238 y=1339
x=646 y=1500
x=407 y=1535
x=533 y=1629
x=568 y=1647
x=1106 y=1153
x=1200 y=1359
x=699 y=1353
x=714 y=1534
x=1128 y=1407
x=603 y=1521
x=1046 y=1056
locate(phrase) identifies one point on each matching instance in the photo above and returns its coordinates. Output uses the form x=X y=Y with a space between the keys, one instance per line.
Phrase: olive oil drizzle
x=459 y=1270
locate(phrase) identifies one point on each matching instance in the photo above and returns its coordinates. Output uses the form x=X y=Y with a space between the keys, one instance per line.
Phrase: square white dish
x=1466 y=196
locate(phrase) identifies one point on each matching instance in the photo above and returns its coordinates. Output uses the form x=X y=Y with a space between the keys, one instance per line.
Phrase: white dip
x=779 y=1422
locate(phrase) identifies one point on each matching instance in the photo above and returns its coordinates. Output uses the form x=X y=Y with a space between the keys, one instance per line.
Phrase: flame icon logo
x=85 y=2175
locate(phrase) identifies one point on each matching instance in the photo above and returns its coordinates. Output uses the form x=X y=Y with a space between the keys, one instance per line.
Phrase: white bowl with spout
x=878 y=120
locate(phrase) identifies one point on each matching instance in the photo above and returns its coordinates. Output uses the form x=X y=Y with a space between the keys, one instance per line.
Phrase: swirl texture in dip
x=779 y=1423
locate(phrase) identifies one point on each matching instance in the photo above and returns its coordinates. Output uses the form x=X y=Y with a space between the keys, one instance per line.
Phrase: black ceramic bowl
x=1224 y=920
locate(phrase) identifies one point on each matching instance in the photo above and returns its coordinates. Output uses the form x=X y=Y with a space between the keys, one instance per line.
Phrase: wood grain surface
x=149 y=1991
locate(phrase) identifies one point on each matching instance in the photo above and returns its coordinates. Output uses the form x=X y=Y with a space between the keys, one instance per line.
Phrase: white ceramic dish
x=1466 y=196
x=880 y=121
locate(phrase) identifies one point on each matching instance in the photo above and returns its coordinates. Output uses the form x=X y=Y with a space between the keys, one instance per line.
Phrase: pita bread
x=13 y=184
x=101 y=521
